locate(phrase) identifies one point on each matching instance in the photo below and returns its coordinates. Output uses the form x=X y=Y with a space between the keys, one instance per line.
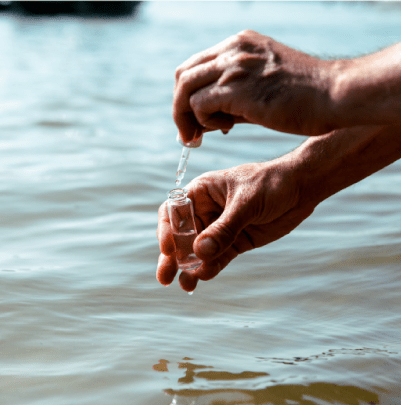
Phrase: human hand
x=251 y=205
x=236 y=210
x=250 y=78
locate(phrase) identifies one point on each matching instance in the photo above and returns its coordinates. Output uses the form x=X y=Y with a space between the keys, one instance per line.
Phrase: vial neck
x=178 y=195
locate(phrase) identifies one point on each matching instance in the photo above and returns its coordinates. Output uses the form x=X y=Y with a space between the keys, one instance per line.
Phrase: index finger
x=191 y=80
x=204 y=56
x=164 y=234
x=195 y=60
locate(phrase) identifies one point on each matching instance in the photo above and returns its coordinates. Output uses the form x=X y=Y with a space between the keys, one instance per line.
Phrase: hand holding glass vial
x=182 y=221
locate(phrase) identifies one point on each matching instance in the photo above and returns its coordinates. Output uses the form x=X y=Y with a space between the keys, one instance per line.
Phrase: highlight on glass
x=182 y=221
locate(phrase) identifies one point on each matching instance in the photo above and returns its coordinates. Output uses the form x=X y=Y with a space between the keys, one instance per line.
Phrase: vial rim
x=177 y=193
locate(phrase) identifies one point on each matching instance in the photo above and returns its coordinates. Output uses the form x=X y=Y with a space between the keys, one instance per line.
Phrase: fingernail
x=178 y=139
x=208 y=246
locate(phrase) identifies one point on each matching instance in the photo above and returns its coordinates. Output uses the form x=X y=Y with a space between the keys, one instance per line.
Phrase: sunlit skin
x=238 y=213
x=252 y=78
x=251 y=205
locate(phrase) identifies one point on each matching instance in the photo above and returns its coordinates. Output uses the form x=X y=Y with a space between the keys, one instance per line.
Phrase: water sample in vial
x=181 y=214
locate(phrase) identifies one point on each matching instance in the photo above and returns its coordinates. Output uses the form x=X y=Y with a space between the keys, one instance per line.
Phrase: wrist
x=329 y=163
x=325 y=100
x=326 y=164
x=346 y=93
x=367 y=90
x=337 y=93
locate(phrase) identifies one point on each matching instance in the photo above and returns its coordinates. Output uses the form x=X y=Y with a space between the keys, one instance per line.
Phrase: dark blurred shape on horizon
x=75 y=8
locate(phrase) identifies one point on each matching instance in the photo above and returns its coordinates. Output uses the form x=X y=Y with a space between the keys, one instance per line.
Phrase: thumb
x=221 y=234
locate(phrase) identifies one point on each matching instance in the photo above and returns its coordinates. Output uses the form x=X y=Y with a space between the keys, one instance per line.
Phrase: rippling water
x=88 y=152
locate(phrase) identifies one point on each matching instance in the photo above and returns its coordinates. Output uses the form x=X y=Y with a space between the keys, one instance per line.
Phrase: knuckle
x=194 y=101
x=200 y=184
x=246 y=33
x=185 y=78
x=199 y=106
x=232 y=40
x=226 y=231
x=178 y=73
x=246 y=36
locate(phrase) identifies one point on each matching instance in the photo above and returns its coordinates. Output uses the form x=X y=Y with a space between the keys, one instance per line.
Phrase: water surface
x=88 y=152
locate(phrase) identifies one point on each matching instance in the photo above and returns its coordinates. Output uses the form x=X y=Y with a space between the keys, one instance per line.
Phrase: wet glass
x=182 y=221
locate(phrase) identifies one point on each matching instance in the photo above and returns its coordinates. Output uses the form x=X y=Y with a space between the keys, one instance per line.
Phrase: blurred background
x=88 y=153
x=72 y=8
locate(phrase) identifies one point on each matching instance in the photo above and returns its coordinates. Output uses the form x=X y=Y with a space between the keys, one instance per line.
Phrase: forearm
x=367 y=90
x=329 y=163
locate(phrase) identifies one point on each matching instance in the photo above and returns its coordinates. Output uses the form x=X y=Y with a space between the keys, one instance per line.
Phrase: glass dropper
x=182 y=165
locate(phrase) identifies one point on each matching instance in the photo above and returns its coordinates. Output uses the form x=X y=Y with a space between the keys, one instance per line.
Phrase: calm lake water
x=88 y=152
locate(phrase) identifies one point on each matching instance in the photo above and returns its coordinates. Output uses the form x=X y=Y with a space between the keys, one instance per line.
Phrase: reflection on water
x=203 y=385
x=275 y=393
x=88 y=152
x=317 y=393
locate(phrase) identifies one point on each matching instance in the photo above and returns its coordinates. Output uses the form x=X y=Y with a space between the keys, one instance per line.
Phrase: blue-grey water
x=87 y=154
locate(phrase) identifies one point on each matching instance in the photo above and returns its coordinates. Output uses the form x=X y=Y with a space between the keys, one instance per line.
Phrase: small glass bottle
x=182 y=223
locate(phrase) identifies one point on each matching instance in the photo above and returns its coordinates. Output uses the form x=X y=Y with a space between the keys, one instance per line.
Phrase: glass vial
x=182 y=223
